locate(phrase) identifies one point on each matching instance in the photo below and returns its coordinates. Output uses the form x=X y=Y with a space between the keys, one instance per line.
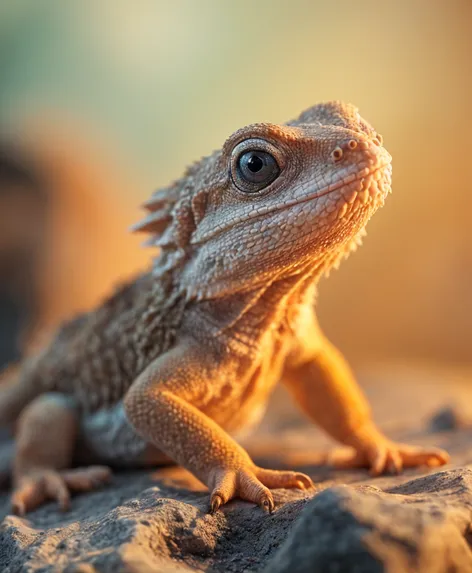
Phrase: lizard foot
x=39 y=485
x=252 y=484
x=384 y=456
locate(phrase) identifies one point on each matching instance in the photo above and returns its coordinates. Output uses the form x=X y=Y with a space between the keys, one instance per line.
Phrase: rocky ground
x=157 y=521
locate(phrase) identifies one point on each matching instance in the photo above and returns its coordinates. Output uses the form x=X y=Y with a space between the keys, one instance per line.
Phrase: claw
x=18 y=508
x=64 y=504
x=438 y=459
x=394 y=464
x=216 y=502
x=305 y=481
x=268 y=504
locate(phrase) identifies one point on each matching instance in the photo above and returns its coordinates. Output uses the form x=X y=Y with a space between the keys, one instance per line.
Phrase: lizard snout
x=360 y=148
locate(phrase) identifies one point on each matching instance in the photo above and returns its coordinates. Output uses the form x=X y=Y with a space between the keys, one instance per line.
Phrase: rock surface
x=157 y=521
x=452 y=417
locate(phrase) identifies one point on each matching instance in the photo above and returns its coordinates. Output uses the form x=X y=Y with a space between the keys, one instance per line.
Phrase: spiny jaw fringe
x=367 y=189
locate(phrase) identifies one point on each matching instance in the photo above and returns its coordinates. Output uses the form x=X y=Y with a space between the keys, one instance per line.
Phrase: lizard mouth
x=351 y=190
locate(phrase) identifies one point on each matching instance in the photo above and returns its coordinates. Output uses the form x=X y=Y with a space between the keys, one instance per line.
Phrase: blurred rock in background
x=145 y=88
x=23 y=214
x=63 y=239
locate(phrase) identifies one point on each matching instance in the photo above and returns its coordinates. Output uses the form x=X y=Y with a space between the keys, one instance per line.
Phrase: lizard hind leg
x=46 y=437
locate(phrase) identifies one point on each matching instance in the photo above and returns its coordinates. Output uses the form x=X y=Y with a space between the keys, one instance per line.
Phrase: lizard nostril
x=352 y=144
x=337 y=154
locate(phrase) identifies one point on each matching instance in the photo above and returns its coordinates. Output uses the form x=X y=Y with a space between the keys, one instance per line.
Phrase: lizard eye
x=255 y=170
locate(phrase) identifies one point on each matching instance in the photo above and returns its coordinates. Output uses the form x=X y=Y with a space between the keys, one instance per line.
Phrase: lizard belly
x=106 y=436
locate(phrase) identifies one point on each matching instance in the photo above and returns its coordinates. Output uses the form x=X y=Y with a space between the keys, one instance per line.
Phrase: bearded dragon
x=180 y=359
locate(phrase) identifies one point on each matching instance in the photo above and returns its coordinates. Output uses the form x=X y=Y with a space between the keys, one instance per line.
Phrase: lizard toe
x=88 y=478
x=413 y=456
x=252 y=489
x=39 y=485
x=28 y=495
x=284 y=479
x=394 y=462
x=56 y=488
x=224 y=488
x=378 y=461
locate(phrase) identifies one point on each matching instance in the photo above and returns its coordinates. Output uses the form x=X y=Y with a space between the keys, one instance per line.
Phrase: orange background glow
x=118 y=97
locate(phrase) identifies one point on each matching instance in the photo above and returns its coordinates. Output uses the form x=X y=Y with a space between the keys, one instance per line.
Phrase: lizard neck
x=244 y=318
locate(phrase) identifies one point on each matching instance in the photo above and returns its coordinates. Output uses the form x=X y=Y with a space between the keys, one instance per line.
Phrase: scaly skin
x=184 y=356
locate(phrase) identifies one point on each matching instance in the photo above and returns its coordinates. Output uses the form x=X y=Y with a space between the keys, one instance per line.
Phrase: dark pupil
x=255 y=163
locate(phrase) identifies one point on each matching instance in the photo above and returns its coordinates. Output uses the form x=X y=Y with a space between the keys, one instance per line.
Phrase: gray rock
x=420 y=525
x=453 y=417
x=365 y=530
x=158 y=522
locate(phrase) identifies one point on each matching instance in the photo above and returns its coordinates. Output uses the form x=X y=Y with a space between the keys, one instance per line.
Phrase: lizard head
x=276 y=200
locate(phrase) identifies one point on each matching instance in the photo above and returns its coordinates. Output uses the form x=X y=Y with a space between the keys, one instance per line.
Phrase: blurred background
x=103 y=102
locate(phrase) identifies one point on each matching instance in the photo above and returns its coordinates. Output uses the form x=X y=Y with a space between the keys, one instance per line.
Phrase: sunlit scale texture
x=335 y=173
x=184 y=356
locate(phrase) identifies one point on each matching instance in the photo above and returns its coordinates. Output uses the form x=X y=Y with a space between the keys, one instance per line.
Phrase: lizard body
x=186 y=355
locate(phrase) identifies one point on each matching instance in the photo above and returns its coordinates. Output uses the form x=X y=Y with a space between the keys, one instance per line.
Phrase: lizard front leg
x=159 y=406
x=324 y=387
